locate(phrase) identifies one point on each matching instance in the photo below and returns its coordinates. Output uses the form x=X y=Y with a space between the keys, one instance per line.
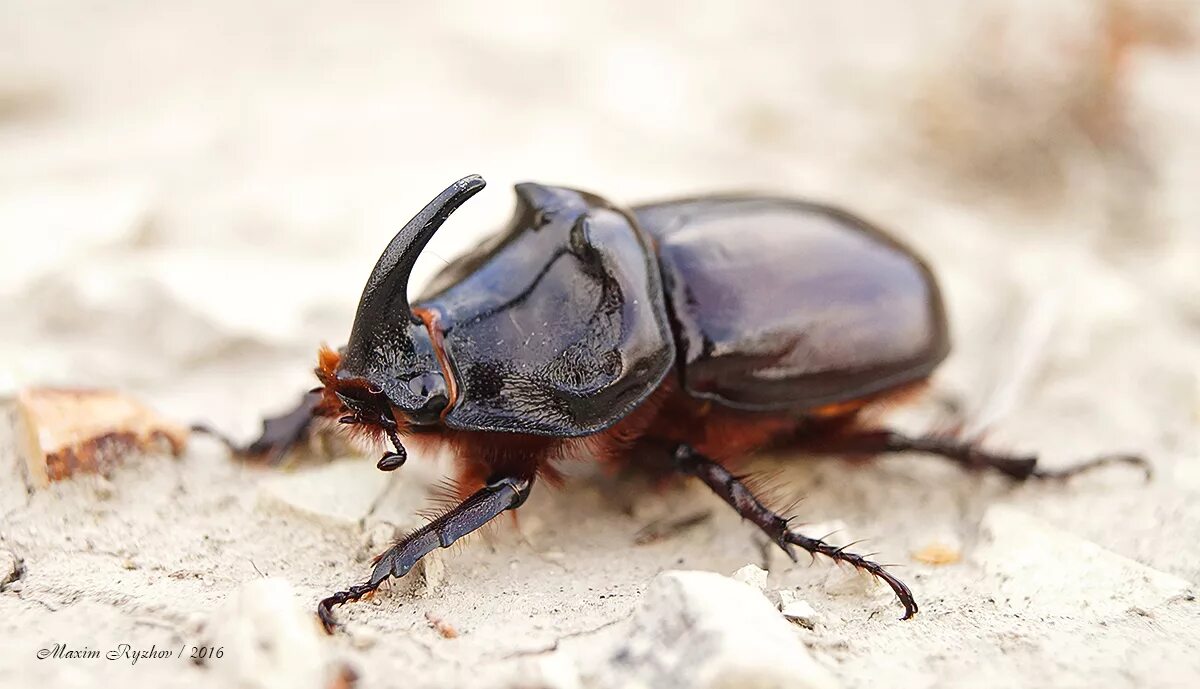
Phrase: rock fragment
x=752 y=575
x=699 y=629
x=800 y=612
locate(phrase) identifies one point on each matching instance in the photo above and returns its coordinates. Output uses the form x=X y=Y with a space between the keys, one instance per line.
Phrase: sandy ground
x=191 y=195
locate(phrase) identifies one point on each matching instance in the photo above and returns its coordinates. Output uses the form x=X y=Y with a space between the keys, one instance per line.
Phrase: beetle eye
x=427 y=384
x=430 y=389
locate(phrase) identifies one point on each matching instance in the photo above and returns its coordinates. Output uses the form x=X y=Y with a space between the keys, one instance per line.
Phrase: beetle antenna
x=386 y=294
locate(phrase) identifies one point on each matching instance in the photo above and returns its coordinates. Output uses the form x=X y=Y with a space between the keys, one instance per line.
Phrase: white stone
x=341 y=493
x=269 y=640
x=800 y=612
x=700 y=629
x=752 y=575
x=784 y=597
x=1037 y=567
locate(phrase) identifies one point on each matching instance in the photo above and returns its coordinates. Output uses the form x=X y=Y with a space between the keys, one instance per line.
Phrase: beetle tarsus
x=733 y=491
x=502 y=494
x=391 y=461
x=325 y=607
x=1096 y=463
x=970 y=456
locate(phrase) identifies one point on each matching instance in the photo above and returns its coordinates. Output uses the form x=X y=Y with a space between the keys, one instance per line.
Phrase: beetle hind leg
x=735 y=492
x=968 y=454
x=480 y=508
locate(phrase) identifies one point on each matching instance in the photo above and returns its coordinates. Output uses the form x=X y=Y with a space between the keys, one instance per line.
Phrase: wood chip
x=67 y=432
x=938 y=554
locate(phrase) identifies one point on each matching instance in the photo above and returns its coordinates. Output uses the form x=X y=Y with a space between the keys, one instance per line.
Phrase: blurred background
x=194 y=191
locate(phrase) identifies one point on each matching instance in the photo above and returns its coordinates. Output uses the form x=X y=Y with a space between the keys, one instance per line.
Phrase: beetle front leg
x=480 y=508
x=279 y=433
x=733 y=491
x=967 y=454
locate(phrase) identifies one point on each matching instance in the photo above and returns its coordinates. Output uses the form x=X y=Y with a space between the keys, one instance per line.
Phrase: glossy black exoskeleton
x=685 y=334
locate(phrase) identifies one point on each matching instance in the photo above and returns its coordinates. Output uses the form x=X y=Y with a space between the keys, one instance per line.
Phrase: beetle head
x=388 y=374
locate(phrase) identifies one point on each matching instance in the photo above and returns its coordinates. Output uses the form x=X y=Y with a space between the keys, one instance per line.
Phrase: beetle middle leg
x=279 y=433
x=732 y=490
x=496 y=497
x=966 y=454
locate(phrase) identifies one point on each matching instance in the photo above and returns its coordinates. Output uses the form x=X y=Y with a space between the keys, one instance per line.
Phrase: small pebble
x=10 y=568
x=800 y=612
x=752 y=575
x=432 y=572
x=783 y=598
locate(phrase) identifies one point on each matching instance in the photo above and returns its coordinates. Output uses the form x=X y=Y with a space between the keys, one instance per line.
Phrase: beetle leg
x=733 y=491
x=279 y=433
x=485 y=505
x=968 y=455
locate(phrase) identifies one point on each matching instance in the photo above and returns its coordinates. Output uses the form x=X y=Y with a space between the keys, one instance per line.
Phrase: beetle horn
x=385 y=297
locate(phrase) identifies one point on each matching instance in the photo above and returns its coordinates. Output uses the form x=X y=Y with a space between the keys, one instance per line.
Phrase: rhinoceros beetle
x=685 y=334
